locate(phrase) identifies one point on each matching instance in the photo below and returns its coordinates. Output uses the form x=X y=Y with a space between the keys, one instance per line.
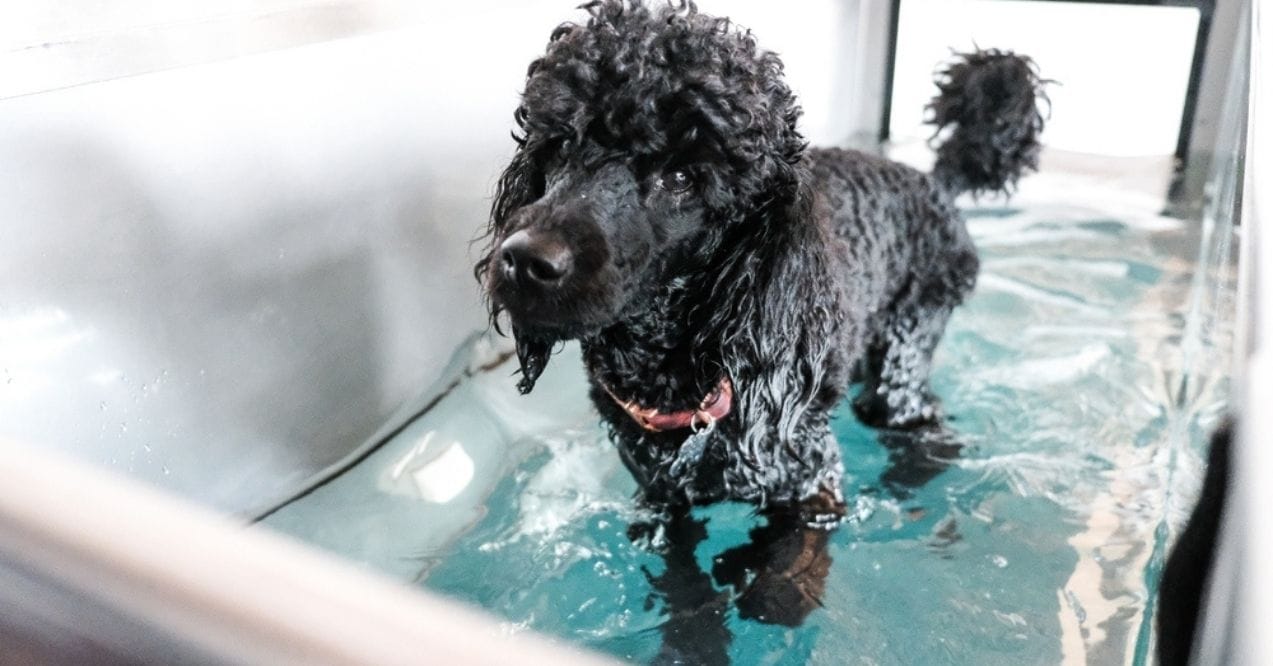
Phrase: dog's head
x=649 y=139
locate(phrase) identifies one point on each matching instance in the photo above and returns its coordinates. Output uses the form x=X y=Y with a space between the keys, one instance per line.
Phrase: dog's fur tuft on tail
x=988 y=121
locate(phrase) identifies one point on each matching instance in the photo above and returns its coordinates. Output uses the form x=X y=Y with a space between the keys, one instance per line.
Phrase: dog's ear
x=521 y=183
x=532 y=354
x=779 y=327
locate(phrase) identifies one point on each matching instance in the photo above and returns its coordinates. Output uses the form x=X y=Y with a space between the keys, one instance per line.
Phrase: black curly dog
x=727 y=283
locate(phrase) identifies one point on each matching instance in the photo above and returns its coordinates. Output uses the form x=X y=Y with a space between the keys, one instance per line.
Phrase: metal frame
x=1232 y=628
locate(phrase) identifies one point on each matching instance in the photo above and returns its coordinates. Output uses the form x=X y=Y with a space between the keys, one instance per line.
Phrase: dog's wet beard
x=532 y=354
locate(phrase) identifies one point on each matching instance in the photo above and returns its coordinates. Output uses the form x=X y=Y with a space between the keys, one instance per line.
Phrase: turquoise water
x=1081 y=380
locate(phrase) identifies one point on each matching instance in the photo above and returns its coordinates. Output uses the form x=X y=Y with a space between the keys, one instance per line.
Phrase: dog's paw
x=781 y=574
x=897 y=409
x=916 y=457
x=779 y=599
x=789 y=586
x=871 y=409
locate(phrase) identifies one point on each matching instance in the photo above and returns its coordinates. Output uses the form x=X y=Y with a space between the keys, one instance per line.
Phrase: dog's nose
x=534 y=259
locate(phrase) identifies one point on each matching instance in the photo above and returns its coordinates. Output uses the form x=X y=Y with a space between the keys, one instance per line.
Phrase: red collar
x=714 y=407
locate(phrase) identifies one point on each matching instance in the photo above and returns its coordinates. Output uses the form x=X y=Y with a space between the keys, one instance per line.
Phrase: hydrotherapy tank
x=232 y=280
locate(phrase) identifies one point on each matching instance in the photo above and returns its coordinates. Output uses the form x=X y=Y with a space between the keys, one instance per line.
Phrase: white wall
x=1122 y=71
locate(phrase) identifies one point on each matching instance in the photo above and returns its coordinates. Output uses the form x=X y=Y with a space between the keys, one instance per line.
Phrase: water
x=1082 y=378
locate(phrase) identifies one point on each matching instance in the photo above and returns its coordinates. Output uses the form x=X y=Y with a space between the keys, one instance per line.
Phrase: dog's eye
x=676 y=181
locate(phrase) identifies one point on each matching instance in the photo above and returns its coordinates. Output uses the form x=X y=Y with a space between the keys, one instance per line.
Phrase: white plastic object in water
x=434 y=473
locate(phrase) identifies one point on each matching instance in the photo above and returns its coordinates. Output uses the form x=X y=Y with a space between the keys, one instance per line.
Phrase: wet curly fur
x=791 y=271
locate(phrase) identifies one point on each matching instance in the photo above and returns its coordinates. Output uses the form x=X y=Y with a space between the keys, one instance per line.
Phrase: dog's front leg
x=781 y=573
x=694 y=631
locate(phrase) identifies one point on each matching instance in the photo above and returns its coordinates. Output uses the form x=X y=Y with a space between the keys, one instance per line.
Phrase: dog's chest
x=659 y=367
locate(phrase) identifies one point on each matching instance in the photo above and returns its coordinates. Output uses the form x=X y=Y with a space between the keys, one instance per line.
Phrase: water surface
x=1081 y=379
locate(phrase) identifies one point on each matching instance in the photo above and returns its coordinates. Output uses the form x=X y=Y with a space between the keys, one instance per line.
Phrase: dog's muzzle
x=535 y=261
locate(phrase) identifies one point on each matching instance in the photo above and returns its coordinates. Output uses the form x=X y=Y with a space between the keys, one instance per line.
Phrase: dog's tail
x=988 y=121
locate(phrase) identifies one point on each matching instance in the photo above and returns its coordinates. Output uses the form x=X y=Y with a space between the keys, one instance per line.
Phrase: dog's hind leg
x=896 y=368
x=896 y=395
